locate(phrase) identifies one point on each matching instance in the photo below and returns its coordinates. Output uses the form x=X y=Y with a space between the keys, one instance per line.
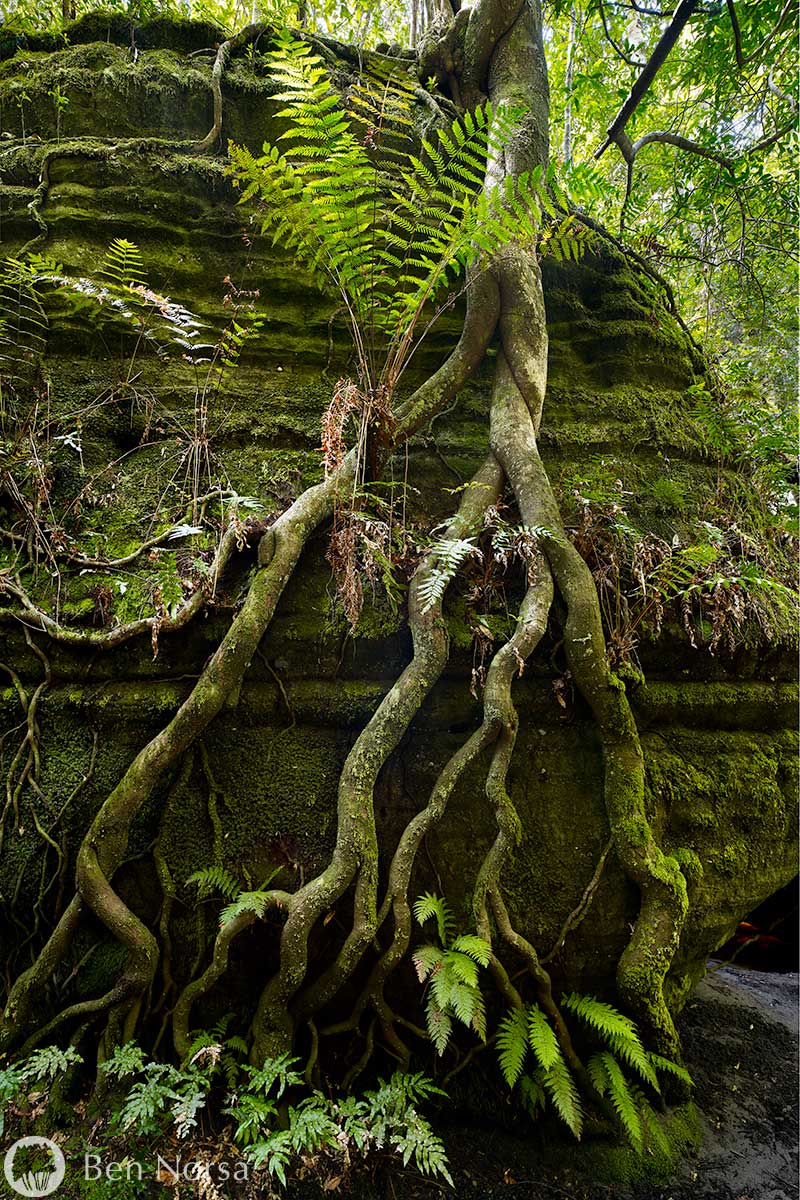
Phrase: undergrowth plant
x=280 y=1125
x=449 y=967
x=532 y=1061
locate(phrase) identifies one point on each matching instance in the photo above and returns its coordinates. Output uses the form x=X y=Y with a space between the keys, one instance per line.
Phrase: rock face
x=113 y=159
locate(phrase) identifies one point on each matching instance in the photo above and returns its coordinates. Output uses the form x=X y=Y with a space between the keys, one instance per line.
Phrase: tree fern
x=387 y=236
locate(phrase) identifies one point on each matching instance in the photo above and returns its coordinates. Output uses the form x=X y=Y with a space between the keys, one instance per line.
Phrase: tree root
x=105 y=844
x=249 y=34
x=355 y=856
x=647 y=959
x=109 y=639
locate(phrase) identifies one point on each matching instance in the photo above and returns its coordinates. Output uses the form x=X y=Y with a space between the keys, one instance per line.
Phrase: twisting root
x=247 y=35
x=650 y=951
x=105 y=844
x=497 y=712
x=355 y=856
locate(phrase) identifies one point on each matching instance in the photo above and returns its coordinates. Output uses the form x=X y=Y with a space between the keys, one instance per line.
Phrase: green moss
x=619 y=1164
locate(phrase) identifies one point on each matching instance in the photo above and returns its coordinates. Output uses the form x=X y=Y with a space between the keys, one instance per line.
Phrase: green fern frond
x=246 y=902
x=623 y=1101
x=560 y=1086
x=542 y=1039
x=475 y=947
x=654 y=1137
x=532 y=1095
x=602 y=1017
x=123 y=264
x=512 y=1044
x=633 y=1054
x=446 y=556
x=23 y=323
x=429 y=905
x=214 y=879
x=440 y=1026
x=667 y=1067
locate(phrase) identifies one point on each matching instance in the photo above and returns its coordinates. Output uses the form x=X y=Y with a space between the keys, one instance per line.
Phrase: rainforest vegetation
x=563 y=234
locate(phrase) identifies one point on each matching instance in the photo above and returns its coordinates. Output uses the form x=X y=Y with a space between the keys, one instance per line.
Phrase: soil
x=740 y=1034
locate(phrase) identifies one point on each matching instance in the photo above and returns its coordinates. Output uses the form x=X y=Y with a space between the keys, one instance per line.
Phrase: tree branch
x=653 y=65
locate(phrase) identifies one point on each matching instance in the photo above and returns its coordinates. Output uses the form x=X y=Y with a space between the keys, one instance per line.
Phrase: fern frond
x=123 y=264
x=429 y=905
x=622 y=1100
x=426 y=960
x=446 y=556
x=606 y=1019
x=634 y=1055
x=512 y=1044
x=214 y=879
x=440 y=1026
x=532 y=1095
x=667 y=1067
x=654 y=1135
x=246 y=902
x=560 y=1086
x=542 y=1039
x=475 y=947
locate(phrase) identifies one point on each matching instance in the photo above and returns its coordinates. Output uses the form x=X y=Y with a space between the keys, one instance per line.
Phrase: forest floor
x=740 y=1034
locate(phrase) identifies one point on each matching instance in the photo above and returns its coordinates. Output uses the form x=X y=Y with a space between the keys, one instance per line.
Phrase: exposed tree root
x=355 y=856
x=104 y=847
x=648 y=957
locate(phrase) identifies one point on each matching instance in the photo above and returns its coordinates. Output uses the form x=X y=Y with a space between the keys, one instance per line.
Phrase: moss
x=619 y=1164
x=689 y=863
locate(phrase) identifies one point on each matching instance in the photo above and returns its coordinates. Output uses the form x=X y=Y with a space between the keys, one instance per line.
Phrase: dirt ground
x=740 y=1033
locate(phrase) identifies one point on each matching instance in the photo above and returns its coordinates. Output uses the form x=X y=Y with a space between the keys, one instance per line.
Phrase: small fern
x=523 y=1030
x=246 y=902
x=123 y=264
x=446 y=556
x=512 y=1044
x=451 y=971
x=213 y=880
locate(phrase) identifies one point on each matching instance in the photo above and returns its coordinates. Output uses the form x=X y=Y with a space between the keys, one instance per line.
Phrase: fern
x=623 y=1101
x=427 y=906
x=560 y=1087
x=542 y=1040
x=214 y=879
x=601 y=1017
x=446 y=556
x=387 y=231
x=23 y=323
x=451 y=971
x=512 y=1044
x=667 y=1067
x=123 y=264
x=246 y=902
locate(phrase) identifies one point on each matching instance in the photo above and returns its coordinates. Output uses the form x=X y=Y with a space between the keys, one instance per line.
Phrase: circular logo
x=38 y=1181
